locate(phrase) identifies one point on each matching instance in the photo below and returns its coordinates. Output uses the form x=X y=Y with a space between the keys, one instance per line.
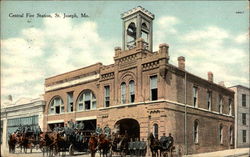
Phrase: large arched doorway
x=131 y=126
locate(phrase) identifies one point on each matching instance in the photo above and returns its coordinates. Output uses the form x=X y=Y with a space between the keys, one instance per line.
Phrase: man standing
x=170 y=141
x=55 y=128
x=164 y=141
x=107 y=130
x=71 y=124
x=81 y=126
x=98 y=130
x=142 y=148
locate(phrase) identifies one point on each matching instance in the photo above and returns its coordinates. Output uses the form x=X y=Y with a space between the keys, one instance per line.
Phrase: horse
x=49 y=143
x=154 y=145
x=92 y=145
x=103 y=145
x=120 y=144
x=12 y=142
x=25 y=141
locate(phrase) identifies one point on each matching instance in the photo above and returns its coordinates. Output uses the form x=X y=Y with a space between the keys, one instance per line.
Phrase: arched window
x=144 y=32
x=56 y=106
x=220 y=103
x=123 y=93
x=155 y=130
x=231 y=135
x=196 y=131
x=221 y=134
x=86 y=101
x=230 y=107
x=131 y=35
x=132 y=91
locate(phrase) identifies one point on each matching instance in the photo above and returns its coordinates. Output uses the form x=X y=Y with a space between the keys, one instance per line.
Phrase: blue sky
x=212 y=35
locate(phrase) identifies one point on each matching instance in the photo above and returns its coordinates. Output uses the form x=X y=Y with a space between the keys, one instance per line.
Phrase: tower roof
x=138 y=9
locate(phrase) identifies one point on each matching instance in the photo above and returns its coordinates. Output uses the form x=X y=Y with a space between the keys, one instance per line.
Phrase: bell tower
x=137 y=23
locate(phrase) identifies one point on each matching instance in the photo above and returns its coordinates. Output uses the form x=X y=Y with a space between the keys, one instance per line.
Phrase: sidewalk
x=241 y=152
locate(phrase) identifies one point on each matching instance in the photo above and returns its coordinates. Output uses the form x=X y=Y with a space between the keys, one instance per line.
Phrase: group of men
x=71 y=129
x=137 y=147
x=166 y=142
x=106 y=130
x=28 y=130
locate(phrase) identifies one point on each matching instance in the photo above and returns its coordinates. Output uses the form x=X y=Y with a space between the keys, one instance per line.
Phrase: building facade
x=25 y=111
x=242 y=112
x=142 y=93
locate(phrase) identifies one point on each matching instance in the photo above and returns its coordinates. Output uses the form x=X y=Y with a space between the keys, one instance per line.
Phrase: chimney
x=221 y=83
x=10 y=97
x=181 y=62
x=163 y=48
x=210 y=76
x=140 y=43
x=117 y=50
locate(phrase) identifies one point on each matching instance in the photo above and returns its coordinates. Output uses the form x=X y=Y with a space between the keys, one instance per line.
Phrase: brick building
x=141 y=93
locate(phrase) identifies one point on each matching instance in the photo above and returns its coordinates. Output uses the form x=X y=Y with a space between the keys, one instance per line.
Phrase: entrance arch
x=129 y=125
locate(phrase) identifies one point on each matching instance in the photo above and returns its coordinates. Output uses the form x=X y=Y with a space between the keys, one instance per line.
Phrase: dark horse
x=154 y=145
x=120 y=144
x=92 y=145
x=49 y=143
x=104 y=145
x=12 y=143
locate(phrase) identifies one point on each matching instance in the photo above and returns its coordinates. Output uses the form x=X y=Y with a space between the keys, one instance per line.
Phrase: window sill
x=86 y=110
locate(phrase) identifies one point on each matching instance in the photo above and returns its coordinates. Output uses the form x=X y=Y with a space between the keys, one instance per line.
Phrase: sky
x=211 y=35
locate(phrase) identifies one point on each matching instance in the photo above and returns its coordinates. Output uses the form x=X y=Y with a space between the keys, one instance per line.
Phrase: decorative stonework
x=137 y=9
x=72 y=78
x=150 y=65
x=72 y=82
x=107 y=76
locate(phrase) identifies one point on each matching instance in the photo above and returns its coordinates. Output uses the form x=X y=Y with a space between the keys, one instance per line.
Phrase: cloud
x=209 y=49
x=165 y=26
x=211 y=36
x=242 y=38
x=59 y=46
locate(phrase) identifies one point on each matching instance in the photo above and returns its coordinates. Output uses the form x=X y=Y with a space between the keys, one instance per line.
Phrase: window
x=13 y=124
x=86 y=101
x=221 y=134
x=230 y=106
x=244 y=119
x=220 y=104
x=106 y=96
x=123 y=93
x=153 y=87
x=196 y=133
x=56 y=106
x=244 y=100
x=244 y=136
x=155 y=131
x=231 y=135
x=209 y=100
x=70 y=101
x=132 y=91
x=131 y=35
x=195 y=94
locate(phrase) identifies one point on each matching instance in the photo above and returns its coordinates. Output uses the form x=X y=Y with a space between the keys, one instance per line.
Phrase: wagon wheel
x=71 y=150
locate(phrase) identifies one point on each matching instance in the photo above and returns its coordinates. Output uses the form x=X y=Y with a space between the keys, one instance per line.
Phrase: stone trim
x=72 y=82
x=55 y=121
x=161 y=101
x=86 y=118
